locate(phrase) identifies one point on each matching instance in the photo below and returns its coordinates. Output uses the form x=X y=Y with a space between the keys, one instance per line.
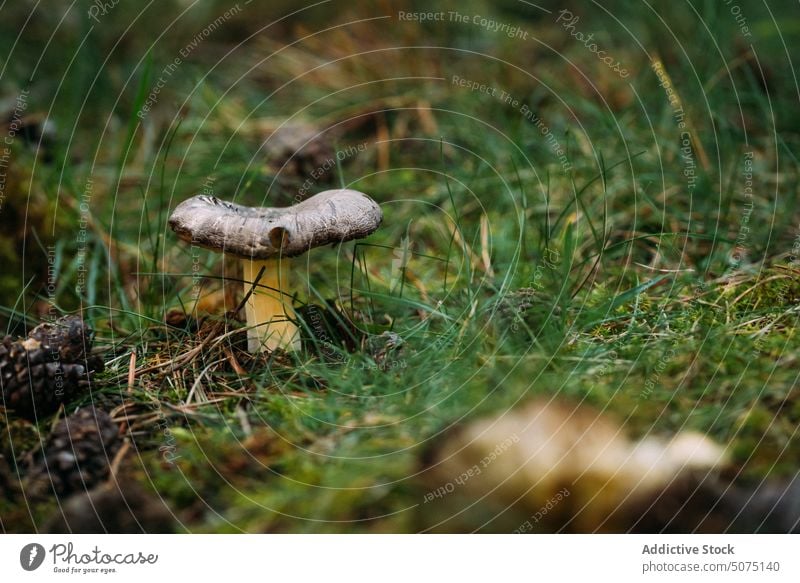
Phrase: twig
x=250 y=291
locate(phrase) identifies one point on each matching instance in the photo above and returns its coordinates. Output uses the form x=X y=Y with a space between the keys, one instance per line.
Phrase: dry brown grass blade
x=760 y=282
x=487 y=260
x=115 y=463
x=382 y=142
x=234 y=362
x=211 y=338
x=132 y=371
x=696 y=143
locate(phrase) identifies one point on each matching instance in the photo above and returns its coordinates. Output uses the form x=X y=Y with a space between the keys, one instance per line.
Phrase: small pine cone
x=50 y=367
x=514 y=305
x=69 y=337
x=526 y=308
x=77 y=454
x=386 y=349
x=301 y=150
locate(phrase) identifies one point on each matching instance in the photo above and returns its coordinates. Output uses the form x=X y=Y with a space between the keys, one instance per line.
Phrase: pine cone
x=386 y=349
x=9 y=483
x=49 y=368
x=123 y=508
x=77 y=454
x=301 y=150
x=526 y=309
x=69 y=336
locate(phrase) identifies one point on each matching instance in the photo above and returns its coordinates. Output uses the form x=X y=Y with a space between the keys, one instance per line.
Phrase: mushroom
x=265 y=238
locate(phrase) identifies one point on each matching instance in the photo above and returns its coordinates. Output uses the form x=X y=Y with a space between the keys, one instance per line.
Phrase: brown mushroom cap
x=333 y=216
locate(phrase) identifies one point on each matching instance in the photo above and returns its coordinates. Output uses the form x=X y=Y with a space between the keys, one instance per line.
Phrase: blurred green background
x=662 y=240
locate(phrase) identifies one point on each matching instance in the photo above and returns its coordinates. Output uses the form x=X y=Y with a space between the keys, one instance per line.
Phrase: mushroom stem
x=270 y=316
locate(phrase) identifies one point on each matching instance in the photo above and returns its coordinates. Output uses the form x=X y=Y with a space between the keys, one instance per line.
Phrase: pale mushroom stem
x=270 y=316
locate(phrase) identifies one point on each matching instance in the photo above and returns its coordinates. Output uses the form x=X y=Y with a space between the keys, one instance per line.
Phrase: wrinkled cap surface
x=333 y=216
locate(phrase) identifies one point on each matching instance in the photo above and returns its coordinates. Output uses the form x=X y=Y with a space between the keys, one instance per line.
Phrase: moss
x=32 y=220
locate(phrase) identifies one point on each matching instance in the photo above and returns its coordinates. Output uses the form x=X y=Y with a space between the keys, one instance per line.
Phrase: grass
x=615 y=283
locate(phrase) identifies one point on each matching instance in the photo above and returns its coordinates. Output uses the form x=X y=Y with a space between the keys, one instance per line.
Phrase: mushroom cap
x=332 y=216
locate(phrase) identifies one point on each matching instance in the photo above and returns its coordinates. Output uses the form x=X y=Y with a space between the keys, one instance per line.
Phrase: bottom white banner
x=355 y=558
